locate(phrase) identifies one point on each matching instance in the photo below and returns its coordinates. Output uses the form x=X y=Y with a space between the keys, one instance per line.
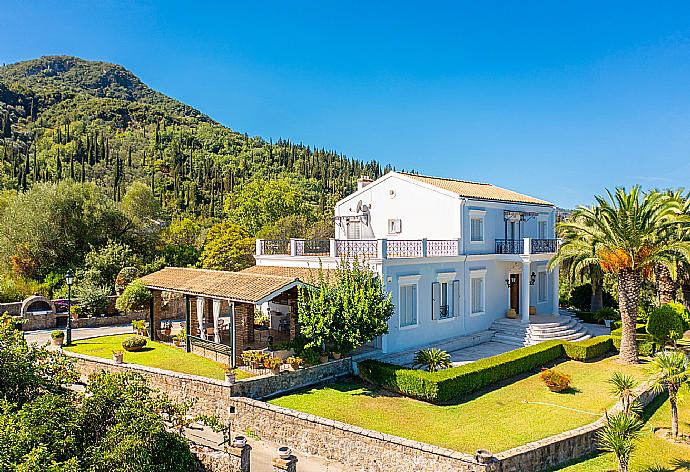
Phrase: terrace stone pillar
x=193 y=328
x=524 y=292
x=284 y=465
x=157 y=304
x=243 y=455
x=244 y=327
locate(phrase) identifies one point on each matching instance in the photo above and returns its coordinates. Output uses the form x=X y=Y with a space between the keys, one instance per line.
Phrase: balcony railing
x=313 y=247
x=274 y=246
x=517 y=246
x=364 y=248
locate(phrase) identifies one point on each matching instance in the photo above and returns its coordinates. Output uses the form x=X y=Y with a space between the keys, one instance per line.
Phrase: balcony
x=534 y=246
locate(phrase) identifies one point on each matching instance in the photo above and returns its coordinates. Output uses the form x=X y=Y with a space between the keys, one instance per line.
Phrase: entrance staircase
x=540 y=328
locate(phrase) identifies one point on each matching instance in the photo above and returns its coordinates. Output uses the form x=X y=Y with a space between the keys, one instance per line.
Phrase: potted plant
x=239 y=441
x=284 y=452
x=607 y=315
x=295 y=362
x=323 y=358
x=57 y=337
x=555 y=380
x=273 y=363
x=134 y=343
x=139 y=327
x=229 y=375
x=118 y=356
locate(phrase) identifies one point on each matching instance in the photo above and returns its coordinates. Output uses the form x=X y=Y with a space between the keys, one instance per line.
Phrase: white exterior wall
x=424 y=212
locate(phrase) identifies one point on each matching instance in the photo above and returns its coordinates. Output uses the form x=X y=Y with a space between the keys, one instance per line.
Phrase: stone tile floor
x=461 y=356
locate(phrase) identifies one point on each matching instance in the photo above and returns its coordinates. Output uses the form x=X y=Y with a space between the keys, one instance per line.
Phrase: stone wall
x=214 y=460
x=12 y=308
x=359 y=448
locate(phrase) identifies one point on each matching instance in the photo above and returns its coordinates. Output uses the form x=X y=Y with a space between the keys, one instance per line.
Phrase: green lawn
x=154 y=354
x=497 y=420
x=653 y=454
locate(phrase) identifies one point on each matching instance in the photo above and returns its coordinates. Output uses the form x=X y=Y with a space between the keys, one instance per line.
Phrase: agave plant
x=670 y=371
x=433 y=359
x=620 y=436
x=622 y=386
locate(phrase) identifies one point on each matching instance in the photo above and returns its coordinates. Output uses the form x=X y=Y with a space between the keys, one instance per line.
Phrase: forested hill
x=67 y=118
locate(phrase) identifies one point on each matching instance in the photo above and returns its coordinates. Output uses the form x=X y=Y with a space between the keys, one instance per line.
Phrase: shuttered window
x=354 y=230
x=477 y=229
x=542 y=282
x=408 y=305
x=542 y=230
x=477 y=294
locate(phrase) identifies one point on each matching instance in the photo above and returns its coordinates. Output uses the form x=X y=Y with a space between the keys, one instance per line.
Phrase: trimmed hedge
x=446 y=385
x=589 y=349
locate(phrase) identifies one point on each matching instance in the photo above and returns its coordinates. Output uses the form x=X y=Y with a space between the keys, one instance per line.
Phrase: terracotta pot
x=557 y=388
x=118 y=356
x=336 y=355
x=229 y=377
x=276 y=370
x=323 y=359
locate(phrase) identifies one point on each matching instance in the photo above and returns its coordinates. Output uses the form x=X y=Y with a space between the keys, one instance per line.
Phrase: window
x=477 y=229
x=394 y=226
x=542 y=282
x=477 y=292
x=354 y=230
x=542 y=230
x=408 y=305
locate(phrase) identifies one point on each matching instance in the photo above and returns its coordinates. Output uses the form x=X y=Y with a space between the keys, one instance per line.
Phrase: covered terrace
x=220 y=307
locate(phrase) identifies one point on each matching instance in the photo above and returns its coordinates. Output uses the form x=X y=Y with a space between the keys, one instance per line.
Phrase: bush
x=433 y=359
x=589 y=349
x=125 y=277
x=581 y=298
x=93 y=299
x=134 y=343
x=667 y=323
x=446 y=385
x=642 y=338
x=57 y=334
x=555 y=380
x=135 y=297
x=607 y=313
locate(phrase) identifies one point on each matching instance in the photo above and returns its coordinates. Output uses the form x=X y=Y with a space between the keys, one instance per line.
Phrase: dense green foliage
x=135 y=297
x=581 y=297
x=345 y=313
x=432 y=359
x=446 y=385
x=667 y=323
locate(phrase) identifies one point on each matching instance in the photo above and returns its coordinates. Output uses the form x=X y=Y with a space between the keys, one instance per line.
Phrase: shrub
x=555 y=380
x=310 y=356
x=642 y=337
x=446 y=385
x=125 y=277
x=295 y=361
x=134 y=343
x=93 y=299
x=139 y=326
x=135 y=297
x=57 y=334
x=589 y=349
x=581 y=298
x=272 y=362
x=607 y=313
x=667 y=323
x=433 y=359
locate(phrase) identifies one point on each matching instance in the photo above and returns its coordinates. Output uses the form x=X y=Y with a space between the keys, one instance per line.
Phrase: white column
x=555 y=275
x=293 y=247
x=527 y=246
x=259 y=243
x=382 y=248
x=524 y=292
x=333 y=248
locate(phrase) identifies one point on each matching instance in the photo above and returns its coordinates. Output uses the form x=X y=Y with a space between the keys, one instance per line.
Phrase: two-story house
x=456 y=256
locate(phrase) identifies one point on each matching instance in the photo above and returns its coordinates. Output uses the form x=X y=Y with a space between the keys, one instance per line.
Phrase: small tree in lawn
x=623 y=386
x=345 y=314
x=667 y=323
x=620 y=436
x=670 y=371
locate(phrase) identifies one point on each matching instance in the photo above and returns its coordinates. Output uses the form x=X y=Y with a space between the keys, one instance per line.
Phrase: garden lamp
x=69 y=280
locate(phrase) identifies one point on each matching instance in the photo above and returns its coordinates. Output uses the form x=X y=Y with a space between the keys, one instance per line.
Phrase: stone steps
x=540 y=329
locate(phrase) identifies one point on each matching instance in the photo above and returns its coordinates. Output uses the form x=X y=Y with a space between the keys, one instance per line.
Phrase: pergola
x=210 y=293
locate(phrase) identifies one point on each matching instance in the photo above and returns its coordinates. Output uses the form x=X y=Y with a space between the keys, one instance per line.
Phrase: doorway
x=515 y=292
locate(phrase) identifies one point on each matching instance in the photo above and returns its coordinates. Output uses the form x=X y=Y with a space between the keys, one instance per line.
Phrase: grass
x=497 y=419
x=653 y=454
x=154 y=354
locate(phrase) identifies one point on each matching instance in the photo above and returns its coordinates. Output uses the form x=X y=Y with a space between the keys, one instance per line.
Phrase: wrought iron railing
x=275 y=246
x=543 y=246
x=357 y=247
x=510 y=246
x=313 y=247
x=404 y=248
x=441 y=247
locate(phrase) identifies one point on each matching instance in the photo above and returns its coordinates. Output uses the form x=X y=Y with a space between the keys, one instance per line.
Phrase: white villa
x=457 y=256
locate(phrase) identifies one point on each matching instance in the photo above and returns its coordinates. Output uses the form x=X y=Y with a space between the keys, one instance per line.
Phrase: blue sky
x=555 y=99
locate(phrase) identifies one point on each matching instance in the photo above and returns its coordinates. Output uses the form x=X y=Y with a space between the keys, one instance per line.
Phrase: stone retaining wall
x=214 y=460
x=362 y=449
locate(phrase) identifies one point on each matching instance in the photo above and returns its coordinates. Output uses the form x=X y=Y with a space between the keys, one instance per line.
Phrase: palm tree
x=433 y=359
x=620 y=435
x=623 y=235
x=622 y=386
x=666 y=278
x=670 y=371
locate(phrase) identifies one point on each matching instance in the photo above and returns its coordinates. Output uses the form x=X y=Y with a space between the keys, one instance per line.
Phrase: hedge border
x=446 y=385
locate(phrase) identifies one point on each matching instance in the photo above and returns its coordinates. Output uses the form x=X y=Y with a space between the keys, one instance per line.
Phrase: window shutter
x=435 y=300
x=456 y=298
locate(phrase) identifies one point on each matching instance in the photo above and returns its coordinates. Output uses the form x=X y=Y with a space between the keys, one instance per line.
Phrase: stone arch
x=37 y=304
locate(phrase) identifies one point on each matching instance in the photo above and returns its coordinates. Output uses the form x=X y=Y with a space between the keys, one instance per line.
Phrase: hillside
x=63 y=117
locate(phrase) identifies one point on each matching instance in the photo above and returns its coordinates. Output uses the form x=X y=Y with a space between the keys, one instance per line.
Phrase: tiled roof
x=235 y=286
x=307 y=275
x=476 y=190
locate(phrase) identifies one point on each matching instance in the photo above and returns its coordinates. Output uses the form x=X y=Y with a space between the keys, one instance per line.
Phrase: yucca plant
x=432 y=359
x=622 y=386
x=620 y=436
x=669 y=369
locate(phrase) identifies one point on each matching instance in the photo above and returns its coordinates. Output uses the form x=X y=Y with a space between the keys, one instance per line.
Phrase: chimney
x=363 y=181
